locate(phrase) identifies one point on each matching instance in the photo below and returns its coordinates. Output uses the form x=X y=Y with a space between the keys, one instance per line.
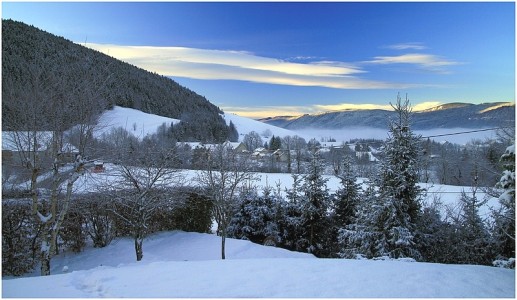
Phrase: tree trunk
x=138 y=248
x=223 y=242
x=45 y=257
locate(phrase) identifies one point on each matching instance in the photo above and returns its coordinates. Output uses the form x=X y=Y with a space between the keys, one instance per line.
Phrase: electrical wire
x=463 y=132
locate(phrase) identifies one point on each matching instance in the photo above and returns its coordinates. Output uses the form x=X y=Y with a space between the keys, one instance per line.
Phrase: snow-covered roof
x=195 y=145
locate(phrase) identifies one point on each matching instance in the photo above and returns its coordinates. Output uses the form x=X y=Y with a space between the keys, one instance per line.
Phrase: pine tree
x=290 y=225
x=398 y=187
x=314 y=205
x=347 y=197
x=233 y=134
x=364 y=238
x=387 y=222
x=345 y=203
x=275 y=143
x=505 y=218
x=431 y=239
x=255 y=219
x=474 y=246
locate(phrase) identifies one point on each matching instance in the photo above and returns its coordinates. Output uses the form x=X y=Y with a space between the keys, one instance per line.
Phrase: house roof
x=194 y=145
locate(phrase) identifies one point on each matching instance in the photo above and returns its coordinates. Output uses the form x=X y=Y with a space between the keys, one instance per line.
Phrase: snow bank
x=179 y=264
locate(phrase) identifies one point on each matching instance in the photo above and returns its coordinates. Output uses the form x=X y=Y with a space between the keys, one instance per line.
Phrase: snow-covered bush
x=504 y=263
x=194 y=214
x=72 y=234
x=18 y=237
x=256 y=219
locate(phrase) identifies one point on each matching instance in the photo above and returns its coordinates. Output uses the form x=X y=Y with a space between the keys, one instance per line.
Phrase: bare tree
x=252 y=141
x=287 y=144
x=224 y=175
x=300 y=146
x=144 y=185
x=41 y=111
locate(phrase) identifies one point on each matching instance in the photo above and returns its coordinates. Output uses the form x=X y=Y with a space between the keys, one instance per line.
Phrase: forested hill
x=37 y=64
x=452 y=115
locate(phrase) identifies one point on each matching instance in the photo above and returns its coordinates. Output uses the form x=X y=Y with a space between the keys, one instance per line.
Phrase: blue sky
x=265 y=59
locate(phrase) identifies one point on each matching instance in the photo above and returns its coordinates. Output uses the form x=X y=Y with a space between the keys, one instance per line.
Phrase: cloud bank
x=296 y=71
x=425 y=61
x=257 y=112
x=240 y=65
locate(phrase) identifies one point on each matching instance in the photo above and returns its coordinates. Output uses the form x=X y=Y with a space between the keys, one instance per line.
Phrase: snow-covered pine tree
x=504 y=232
x=291 y=212
x=431 y=229
x=314 y=205
x=399 y=191
x=347 y=196
x=364 y=238
x=255 y=219
x=344 y=202
x=472 y=232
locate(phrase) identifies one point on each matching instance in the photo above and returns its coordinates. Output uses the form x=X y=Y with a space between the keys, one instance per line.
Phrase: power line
x=463 y=132
x=437 y=135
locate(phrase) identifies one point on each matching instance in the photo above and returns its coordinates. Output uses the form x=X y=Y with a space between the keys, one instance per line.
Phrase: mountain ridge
x=449 y=115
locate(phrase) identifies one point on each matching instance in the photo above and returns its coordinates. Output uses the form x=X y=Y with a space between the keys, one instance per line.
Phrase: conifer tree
x=290 y=225
x=275 y=143
x=505 y=218
x=233 y=134
x=398 y=186
x=474 y=246
x=363 y=238
x=255 y=219
x=346 y=198
x=314 y=205
x=344 y=202
x=387 y=222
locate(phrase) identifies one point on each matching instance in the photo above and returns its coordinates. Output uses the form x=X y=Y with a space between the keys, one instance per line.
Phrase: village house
x=260 y=153
x=238 y=147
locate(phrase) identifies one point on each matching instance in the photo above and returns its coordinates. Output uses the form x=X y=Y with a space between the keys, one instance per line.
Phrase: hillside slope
x=64 y=76
x=454 y=115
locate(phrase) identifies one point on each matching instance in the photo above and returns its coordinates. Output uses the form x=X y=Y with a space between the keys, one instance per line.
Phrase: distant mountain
x=41 y=67
x=453 y=115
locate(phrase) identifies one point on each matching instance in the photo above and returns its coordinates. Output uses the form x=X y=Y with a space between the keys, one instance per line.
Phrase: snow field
x=179 y=265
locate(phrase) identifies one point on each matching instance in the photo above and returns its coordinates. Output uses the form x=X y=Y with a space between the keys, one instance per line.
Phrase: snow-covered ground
x=141 y=124
x=180 y=265
x=134 y=121
x=447 y=195
x=246 y=125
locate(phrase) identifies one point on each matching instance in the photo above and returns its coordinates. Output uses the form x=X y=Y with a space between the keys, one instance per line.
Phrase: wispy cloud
x=257 y=112
x=406 y=46
x=351 y=106
x=426 y=61
x=240 y=65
